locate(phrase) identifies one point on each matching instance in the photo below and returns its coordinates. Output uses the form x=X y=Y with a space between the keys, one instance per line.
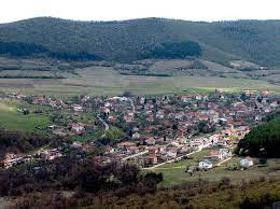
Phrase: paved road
x=223 y=161
x=135 y=155
x=105 y=125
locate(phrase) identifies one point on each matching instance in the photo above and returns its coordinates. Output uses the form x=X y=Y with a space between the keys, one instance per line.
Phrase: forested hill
x=257 y=41
x=263 y=140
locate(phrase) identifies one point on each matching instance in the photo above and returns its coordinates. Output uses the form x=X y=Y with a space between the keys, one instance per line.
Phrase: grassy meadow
x=175 y=174
x=11 y=119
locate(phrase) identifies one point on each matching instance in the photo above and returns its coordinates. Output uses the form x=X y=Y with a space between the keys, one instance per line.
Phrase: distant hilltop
x=125 y=41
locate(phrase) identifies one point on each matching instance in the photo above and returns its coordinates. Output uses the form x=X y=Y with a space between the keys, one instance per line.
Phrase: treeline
x=175 y=50
x=170 y=50
x=262 y=141
x=196 y=195
x=74 y=174
x=19 y=49
x=15 y=142
x=83 y=56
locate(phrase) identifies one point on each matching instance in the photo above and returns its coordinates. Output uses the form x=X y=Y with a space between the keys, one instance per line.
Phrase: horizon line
x=138 y=18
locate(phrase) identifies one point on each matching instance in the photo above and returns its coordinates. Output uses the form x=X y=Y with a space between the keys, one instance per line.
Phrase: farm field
x=11 y=119
x=106 y=81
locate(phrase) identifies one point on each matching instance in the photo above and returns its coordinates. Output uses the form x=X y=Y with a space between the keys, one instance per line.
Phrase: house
x=136 y=135
x=77 y=108
x=265 y=93
x=124 y=145
x=274 y=104
x=205 y=165
x=52 y=127
x=77 y=128
x=11 y=160
x=129 y=117
x=77 y=145
x=172 y=153
x=246 y=163
x=132 y=149
x=153 y=150
x=150 y=141
x=105 y=110
x=151 y=160
x=112 y=119
x=108 y=104
x=109 y=149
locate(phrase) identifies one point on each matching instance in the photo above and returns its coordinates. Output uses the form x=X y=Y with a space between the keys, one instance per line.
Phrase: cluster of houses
x=168 y=127
x=12 y=159
x=160 y=129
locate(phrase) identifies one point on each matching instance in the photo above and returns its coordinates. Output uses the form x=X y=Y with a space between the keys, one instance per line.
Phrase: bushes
x=197 y=195
x=20 y=142
x=69 y=173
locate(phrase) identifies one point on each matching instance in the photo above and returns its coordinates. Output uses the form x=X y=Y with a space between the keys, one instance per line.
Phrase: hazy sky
x=208 y=10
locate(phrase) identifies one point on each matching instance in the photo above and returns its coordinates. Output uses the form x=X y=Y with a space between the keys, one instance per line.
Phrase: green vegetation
x=88 y=136
x=262 y=141
x=200 y=195
x=11 y=119
x=174 y=173
x=114 y=133
x=220 y=41
x=175 y=50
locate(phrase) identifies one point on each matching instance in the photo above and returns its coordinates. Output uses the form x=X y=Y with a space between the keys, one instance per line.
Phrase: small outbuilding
x=246 y=163
x=205 y=165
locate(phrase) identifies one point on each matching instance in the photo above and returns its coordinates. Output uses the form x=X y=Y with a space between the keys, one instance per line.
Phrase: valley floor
x=106 y=81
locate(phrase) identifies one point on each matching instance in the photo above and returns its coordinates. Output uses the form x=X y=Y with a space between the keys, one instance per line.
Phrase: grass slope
x=13 y=120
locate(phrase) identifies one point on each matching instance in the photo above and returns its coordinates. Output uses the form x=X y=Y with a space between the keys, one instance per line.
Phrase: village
x=150 y=131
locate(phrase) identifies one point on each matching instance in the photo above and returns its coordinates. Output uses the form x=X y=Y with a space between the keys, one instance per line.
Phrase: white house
x=246 y=163
x=205 y=165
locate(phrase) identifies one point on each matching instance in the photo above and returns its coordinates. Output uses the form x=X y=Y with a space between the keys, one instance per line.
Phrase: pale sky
x=205 y=10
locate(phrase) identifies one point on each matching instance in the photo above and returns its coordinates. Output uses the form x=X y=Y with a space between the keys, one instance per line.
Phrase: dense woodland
x=263 y=140
x=176 y=50
x=255 y=41
x=18 y=49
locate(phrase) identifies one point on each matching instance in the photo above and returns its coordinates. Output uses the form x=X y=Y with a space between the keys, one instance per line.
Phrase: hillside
x=262 y=141
x=256 y=41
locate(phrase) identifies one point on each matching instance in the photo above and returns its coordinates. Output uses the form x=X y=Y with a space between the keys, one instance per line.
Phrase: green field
x=174 y=173
x=11 y=119
x=106 y=81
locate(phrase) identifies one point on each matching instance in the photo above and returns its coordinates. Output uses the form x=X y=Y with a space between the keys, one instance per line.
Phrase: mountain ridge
x=128 y=40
